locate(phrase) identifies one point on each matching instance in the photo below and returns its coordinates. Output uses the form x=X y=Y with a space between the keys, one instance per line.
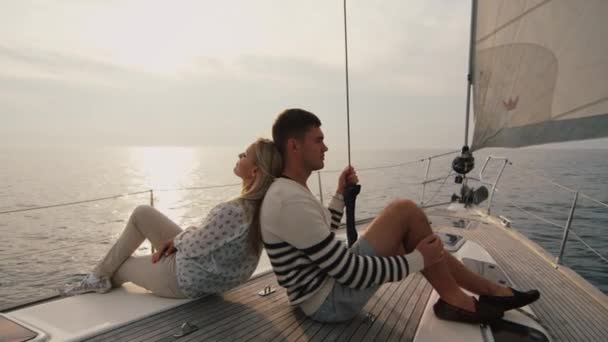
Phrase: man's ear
x=292 y=144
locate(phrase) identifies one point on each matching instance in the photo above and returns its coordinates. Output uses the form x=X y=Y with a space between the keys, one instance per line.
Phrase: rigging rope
x=589 y=247
x=115 y=197
x=347 y=85
x=72 y=203
x=351 y=190
x=440 y=187
x=551 y=181
x=398 y=165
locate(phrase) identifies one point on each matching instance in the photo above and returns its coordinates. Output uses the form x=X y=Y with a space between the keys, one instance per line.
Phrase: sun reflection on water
x=165 y=168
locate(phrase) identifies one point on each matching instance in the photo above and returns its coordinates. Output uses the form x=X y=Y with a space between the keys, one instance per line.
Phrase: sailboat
x=537 y=74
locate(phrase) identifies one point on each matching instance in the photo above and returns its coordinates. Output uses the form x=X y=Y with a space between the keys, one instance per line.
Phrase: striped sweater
x=306 y=257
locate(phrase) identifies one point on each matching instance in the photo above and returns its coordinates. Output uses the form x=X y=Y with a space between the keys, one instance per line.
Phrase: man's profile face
x=313 y=149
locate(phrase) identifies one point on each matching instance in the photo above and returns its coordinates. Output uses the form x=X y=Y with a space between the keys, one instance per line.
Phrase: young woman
x=216 y=256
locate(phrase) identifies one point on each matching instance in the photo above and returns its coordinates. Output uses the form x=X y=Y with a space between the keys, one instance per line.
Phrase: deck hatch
x=14 y=332
x=487 y=270
x=505 y=331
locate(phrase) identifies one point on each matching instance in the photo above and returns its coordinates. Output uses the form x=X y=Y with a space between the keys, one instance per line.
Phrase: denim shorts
x=344 y=303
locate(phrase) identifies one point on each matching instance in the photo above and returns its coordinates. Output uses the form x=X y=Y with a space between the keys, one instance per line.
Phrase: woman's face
x=245 y=167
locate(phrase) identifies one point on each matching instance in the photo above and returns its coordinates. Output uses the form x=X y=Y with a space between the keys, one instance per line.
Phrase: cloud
x=32 y=64
x=106 y=103
x=404 y=76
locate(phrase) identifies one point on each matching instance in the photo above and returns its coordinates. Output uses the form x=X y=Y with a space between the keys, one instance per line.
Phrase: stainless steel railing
x=567 y=227
x=567 y=231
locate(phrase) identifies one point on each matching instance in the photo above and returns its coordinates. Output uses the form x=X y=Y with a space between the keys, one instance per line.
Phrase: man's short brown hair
x=292 y=123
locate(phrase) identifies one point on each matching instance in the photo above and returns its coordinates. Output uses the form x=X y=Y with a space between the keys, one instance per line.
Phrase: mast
x=471 y=71
x=464 y=163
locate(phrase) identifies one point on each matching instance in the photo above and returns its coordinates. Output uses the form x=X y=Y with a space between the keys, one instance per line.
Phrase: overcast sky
x=148 y=72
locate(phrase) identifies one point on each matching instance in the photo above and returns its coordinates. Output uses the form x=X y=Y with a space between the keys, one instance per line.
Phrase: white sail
x=540 y=71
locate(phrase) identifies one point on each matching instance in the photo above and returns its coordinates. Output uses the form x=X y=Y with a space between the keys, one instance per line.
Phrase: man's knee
x=402 y=210
x=410 y=211
x=403 y=205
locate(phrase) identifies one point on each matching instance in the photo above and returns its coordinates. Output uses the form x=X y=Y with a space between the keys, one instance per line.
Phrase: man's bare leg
x=472 y=281
x=403 y=213
x=397 y=230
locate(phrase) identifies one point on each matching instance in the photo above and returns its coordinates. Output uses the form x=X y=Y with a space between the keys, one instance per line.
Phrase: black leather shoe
x=483 y=313
x=517 y=300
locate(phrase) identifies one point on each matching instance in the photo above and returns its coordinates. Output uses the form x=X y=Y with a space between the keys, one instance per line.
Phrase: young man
x=331 y=282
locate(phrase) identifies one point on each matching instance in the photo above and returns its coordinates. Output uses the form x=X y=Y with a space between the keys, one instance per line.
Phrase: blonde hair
x=270 y=165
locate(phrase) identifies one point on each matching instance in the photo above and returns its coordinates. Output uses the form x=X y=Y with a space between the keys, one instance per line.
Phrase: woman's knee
x=143 y=210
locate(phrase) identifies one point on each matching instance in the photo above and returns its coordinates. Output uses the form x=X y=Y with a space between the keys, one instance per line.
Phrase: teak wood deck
x=570 y=309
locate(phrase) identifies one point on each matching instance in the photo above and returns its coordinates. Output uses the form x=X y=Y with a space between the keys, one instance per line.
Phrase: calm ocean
x=42 y=249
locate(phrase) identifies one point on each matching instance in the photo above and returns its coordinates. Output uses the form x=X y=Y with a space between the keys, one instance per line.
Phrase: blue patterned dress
x=215 y=257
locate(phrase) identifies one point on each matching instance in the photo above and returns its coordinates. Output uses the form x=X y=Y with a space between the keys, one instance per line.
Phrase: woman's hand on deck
x=167 y=248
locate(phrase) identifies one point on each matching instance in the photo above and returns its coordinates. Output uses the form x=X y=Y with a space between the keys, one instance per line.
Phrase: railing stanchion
x=152 y=249
x=426 y=175
x=506 y=161
x=558 y=260
x=320 y=187
x=483 y=168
